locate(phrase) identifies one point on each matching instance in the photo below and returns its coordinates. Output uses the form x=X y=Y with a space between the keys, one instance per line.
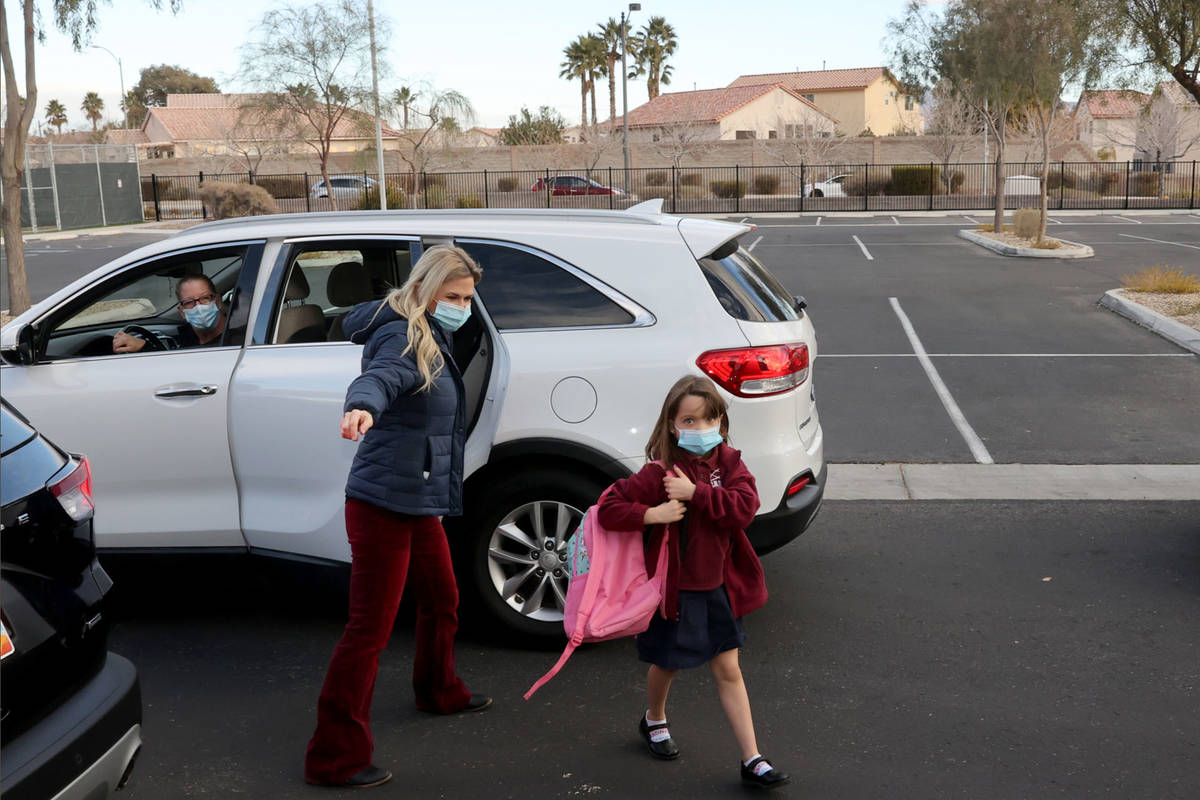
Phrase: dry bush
x=691 y=179
x=728 y=189
x=1146 y=184
x=468 y=201
x=1163 y=279
x=766 y=184
x=506 y=184
x=370 y=198
x=1026 y=222
x=658 y=177
x=434 y=197
x=1046 y=243
x=225 y=200
x=282 y=186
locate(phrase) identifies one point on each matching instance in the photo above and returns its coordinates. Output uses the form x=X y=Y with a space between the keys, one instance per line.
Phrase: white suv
x=583 y=320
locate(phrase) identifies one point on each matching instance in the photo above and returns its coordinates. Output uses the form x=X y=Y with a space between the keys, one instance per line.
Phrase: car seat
x=299 y=321
x=349 y=284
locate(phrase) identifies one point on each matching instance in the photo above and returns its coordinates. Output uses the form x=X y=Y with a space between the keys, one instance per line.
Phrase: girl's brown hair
x=663 y=444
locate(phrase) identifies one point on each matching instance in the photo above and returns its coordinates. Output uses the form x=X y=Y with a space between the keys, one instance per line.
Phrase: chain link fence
x=80 y=185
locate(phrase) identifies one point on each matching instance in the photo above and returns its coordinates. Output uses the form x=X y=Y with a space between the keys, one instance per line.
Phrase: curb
x=1083 y=250
x=112 y=230
x=1164 y=326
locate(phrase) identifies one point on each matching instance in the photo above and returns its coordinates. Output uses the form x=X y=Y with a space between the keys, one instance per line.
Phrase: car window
x=144 y=296
x=522 y=290
x=344 y=183
x=745 y=289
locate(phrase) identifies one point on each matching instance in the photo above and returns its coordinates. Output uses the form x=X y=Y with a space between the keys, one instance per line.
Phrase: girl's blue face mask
x=203 y=316
x=450 y=316
x=700 y=441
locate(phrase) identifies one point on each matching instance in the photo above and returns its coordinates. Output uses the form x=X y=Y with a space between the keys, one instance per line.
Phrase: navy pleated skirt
x=706 y=627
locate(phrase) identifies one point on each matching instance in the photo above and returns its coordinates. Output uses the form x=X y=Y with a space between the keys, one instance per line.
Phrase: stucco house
x=861 y=99
x=1107 y=119
x=1163 y=126
x=765 y=111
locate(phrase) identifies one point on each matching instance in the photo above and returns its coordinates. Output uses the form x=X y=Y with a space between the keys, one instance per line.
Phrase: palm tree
x=611 y=34
x=655 y=43
x=56 y=114
x=404 y=98
x=595 y=53
x=91 y=107
x=576 y=66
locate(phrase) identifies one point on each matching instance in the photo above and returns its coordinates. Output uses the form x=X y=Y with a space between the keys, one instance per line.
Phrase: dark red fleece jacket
x=717 y=550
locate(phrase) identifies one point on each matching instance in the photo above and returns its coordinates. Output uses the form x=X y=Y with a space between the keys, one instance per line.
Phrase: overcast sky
x=502 y=55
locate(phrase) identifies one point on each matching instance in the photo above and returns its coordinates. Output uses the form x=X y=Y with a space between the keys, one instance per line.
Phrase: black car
x=70 y=711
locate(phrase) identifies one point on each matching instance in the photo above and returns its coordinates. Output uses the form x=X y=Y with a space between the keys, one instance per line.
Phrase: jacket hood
x=366 y=318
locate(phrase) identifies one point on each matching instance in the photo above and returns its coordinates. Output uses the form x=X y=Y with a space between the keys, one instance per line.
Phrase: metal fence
x=75 y=186
x=826 y=188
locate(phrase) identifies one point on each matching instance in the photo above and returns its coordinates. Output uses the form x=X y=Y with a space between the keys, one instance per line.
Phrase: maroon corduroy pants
x=385 y=548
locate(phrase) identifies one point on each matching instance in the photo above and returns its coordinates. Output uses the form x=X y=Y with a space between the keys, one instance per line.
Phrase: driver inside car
x=200 y=307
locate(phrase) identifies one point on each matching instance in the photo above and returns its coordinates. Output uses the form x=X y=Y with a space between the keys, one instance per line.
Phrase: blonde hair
x=437 y=265
x=664 y=444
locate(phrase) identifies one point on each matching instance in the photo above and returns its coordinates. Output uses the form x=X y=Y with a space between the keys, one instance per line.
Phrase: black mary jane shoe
x=665 y=748
x=363 y=779
x=478 y=702
x=768 y=780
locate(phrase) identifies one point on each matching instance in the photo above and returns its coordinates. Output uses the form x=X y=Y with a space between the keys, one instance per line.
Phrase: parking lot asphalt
x=1035 y=367
x=908 y=650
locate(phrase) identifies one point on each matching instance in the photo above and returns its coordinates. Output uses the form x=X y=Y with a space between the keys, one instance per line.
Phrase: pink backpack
x=609 y=594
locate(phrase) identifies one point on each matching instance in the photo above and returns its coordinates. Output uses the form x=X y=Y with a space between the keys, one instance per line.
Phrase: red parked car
x=573 y=185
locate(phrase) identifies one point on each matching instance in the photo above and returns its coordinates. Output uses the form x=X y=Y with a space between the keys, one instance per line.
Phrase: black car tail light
x=74 y=492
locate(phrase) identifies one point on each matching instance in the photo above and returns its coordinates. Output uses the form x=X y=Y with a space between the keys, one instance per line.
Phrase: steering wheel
x=153 y=342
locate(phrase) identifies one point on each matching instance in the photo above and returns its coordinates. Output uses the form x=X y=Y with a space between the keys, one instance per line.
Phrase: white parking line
x=754 y=244
x=1055 y=221
x=956 y=416
x=895 y=220
x=970 y=219
x=818 y=222
x=863 y=247
x=1160 y=241
x=1127 y=219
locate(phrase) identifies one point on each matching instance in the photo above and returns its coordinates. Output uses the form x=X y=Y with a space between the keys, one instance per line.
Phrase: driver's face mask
x=203 y=316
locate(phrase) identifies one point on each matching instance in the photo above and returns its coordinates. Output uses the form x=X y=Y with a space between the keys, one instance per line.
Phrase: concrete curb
x=1082 y=251
x=112 y=230
x=1172 y=330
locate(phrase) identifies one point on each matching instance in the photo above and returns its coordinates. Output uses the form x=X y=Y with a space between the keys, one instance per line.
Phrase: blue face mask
x=202 y=316
x=450 y=316
x=699 y=442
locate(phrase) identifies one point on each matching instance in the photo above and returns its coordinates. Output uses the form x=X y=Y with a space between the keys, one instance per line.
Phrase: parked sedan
x=562 y=185
x=832 y=187
x=583 y=320
x=72 y=711
x=344 y=186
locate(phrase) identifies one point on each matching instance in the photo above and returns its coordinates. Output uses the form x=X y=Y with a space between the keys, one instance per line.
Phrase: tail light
x=6 y=643
x=798 y=484
x=74 y=492
x=757 y=371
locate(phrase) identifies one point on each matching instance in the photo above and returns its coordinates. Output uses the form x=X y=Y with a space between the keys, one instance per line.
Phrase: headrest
x=349 y=284
x=297 y=288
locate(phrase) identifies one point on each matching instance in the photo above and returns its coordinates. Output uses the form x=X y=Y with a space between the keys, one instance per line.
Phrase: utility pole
x=382 y=185
x=121 y=76
x=625 y=87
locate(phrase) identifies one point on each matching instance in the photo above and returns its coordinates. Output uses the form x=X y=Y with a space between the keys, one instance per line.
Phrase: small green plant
x=1026 y=222
x=468 y=201
x=225 y=200
x=506 y=184
x=658 y=177
x=691 y=179
x=1161 y=278
x=766 y=184
x=728 y=189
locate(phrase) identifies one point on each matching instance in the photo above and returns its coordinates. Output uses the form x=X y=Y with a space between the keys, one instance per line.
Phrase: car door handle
x=187 y=391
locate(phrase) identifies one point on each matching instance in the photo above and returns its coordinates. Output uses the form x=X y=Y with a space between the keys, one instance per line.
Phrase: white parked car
x=344 y=186
x=832 y=187
x=582 y=322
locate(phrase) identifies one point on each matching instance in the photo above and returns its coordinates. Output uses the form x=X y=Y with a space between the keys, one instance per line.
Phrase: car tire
x=497 y=569
x=817 y=193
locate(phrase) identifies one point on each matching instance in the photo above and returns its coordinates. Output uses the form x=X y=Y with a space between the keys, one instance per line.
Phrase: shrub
x=282 y=187
x=1106 y=182
x=226 y=200
x=691 y=179
x=957 y=178
x=433 y=197
x=1161 y=279
x=433 y=179
x=728 y=189
x=856 y=186
x=658 y=177
x=1107 y=154
x=506 y=184
x=1026 y=221
x=915 y=180
x=468 y=201
x=172 y=190
x=370 y=198
x=655 y=193
x=1060 y=178
x=766 y=184
x=1146 y=184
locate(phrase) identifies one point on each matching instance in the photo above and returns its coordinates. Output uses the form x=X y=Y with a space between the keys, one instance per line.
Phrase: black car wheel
x=515 y=547
x=817 y=193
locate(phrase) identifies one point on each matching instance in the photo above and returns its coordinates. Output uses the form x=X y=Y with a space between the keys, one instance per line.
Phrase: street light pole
x=121 y=75
x=381 y=186
x=625 y=87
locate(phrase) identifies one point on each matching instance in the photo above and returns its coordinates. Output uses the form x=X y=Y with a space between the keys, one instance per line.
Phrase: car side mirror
x=25 y=350
x=798 y=302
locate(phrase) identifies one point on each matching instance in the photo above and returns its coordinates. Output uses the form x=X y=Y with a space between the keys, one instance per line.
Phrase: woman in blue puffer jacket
x=408 y=405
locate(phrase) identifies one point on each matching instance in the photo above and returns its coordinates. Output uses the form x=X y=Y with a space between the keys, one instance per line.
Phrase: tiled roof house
x=1107 y=119
x=862 y=99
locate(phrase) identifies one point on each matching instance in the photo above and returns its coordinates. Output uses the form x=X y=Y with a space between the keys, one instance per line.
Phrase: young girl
x=700 y=489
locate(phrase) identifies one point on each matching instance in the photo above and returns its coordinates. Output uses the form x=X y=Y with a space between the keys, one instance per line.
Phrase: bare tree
x=257 y=131
x=439 y=114
x=805 y=147
x=948 y=128
x=312 y=66
x=684 y=139
x=1167 y=127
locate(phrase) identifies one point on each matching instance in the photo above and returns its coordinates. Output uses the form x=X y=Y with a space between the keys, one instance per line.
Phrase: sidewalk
x=155 y=228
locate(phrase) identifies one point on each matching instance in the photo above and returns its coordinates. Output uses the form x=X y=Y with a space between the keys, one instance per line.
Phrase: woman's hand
x=664 y=513
x=678 y=485
x=356 y=423
x=127 y=343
